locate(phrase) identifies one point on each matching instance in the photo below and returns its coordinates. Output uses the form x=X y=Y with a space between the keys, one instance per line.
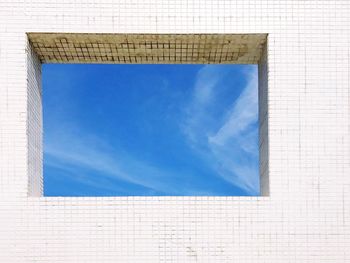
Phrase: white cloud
x=243 y=113
x=206 y=80
x=66 y=150
x=232 y=148
x=198 y=111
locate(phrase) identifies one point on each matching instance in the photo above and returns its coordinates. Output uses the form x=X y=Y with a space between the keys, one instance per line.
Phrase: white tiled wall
x=34 y=124
x=306 y=218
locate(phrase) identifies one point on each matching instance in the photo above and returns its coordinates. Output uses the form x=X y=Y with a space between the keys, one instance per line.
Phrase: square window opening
x=161 y=121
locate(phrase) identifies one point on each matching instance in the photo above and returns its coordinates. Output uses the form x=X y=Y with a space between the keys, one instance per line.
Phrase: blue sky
x=139 y=130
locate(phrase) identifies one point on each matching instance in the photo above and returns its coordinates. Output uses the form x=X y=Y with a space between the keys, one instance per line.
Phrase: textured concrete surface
x=148 y=48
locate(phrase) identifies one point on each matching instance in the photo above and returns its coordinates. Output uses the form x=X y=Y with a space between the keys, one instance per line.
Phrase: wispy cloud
x=65 y=172
x=228 y=143
x=244 y=113
x=67 y=151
